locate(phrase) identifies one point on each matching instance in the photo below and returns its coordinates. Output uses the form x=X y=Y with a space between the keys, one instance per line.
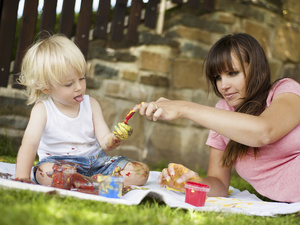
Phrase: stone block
x=105 y=72
x=129 y=75
x=9 y=105
x=164 y=144
x=124 y=90
x=260 y=33
x=203 y=97
x=195 y=153
x=155 y=80
x=291 y=71
x=194 y=34
x=291 y=10
x=190 y=50
x=154 y=61
x=286 y=43
x=109 y=109
x=275 y=67
x=187 y=73
x=13 y=121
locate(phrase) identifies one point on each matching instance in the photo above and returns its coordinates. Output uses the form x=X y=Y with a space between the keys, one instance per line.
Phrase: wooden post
x=151 y=13
x=102 y=19
x=83 y=26
x=26 y=35
x=66 y=21
x=134 y=20
x=48 y=18
x=118 y=20
x=7 y=35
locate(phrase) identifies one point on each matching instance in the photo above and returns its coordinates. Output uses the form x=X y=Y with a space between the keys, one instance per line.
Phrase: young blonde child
x=66 y=126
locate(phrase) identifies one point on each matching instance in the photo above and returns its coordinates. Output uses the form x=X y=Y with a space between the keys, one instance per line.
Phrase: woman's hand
x=176 y=176
x=163 y=108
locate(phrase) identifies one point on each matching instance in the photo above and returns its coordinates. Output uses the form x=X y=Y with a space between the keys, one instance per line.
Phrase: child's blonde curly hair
x=48 y=63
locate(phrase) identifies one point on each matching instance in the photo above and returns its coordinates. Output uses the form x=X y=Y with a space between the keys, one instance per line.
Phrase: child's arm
x=106 y=138
x=31 y=141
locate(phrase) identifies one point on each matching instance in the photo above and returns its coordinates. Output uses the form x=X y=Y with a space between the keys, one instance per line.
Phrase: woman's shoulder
x=285 y=85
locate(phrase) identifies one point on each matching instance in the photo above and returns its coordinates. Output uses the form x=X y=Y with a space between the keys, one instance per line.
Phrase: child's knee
x=43 y=174
x=135 y=173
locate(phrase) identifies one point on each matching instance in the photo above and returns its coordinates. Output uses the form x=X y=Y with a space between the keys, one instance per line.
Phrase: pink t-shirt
x=275 y=171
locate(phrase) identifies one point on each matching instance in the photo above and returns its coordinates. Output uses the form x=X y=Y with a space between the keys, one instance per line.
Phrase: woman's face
x=232 y=84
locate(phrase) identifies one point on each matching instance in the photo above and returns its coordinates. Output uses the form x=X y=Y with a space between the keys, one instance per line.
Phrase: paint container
x=62 y=176
x=110 y=187
x=196 y=193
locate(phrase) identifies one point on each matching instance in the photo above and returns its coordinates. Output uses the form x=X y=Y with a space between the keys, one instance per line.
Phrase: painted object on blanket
x=110 y=186
x=196 y=193
x=62 y=176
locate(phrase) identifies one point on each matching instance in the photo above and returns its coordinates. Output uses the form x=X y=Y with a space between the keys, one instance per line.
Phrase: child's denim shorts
x=88 y=165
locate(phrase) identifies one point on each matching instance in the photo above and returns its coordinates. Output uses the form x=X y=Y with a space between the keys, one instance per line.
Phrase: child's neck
x=68 y=111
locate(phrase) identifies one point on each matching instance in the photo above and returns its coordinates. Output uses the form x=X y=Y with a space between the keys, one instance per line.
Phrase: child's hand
x=123 y=131
x=24 y=180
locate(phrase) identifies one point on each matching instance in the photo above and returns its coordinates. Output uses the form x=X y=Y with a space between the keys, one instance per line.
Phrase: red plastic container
x=196 y=193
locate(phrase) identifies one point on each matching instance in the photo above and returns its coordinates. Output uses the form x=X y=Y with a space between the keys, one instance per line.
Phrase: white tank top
x=68 y=136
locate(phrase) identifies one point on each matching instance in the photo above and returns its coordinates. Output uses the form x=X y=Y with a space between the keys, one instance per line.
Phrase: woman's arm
x=275 y=122
x=31 y=141
x=218 y=177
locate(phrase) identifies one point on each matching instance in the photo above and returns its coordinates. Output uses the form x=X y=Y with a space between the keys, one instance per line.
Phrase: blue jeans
x=88 y=165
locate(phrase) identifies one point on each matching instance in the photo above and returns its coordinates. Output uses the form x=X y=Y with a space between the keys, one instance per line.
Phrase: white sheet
x=238 y=202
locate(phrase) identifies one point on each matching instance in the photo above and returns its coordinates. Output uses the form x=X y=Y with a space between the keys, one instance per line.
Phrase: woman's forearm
x=216 y=187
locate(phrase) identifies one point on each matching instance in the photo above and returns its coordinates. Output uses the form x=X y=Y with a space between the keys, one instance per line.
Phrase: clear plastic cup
x=196 y=193
x=110 y=187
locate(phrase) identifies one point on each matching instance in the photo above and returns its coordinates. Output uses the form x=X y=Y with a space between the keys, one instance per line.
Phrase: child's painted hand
x=123 y=131
x=24 y=180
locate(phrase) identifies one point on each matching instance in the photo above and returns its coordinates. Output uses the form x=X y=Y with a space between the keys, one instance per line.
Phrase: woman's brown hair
x=258 y=80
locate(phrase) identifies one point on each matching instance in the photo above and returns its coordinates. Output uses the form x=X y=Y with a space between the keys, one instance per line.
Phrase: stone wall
x=170 y=65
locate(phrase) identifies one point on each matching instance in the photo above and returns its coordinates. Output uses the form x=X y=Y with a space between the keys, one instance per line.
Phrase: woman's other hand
x=176 y=176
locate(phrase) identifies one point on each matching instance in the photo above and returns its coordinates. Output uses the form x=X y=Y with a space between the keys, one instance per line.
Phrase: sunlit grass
x=25 y=207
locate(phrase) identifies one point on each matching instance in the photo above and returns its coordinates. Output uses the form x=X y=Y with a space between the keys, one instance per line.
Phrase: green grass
x=26 y=207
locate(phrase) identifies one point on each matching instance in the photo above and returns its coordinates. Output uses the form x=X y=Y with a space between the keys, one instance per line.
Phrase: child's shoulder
x=93 y=102
x=91 y=99
x=39 y=105
x=38 y=110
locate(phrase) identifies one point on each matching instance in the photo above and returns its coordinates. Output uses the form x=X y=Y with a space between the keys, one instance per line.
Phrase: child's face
x=232 y=84
x=70 y=92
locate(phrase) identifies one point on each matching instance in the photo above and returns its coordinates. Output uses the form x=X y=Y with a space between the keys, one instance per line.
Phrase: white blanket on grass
x=238 y=201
